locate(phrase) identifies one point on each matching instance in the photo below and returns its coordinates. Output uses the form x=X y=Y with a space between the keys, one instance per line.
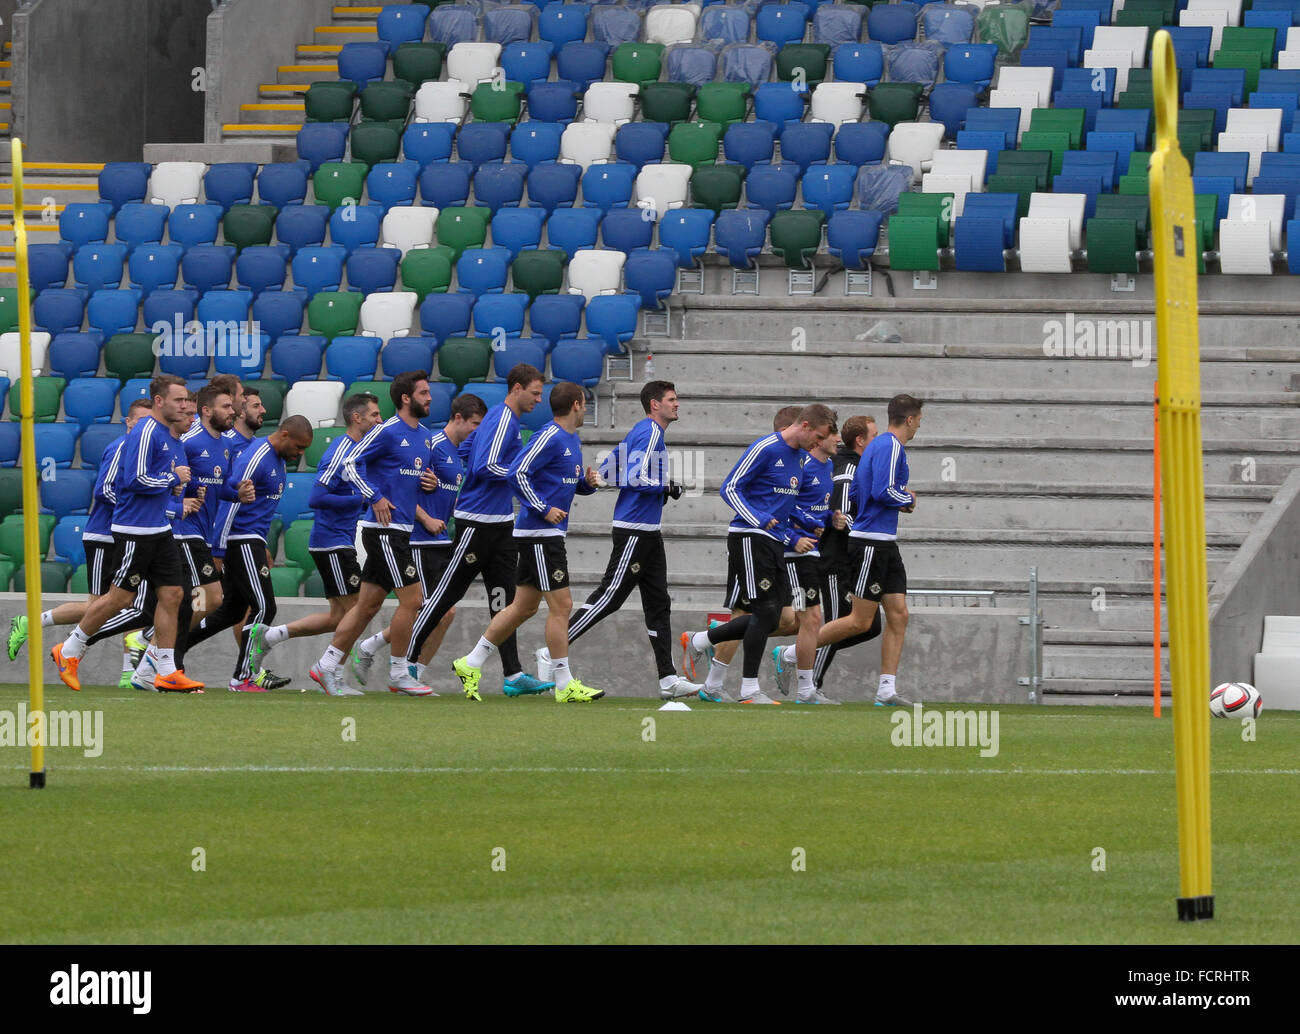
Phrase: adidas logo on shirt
x=405 y=444
x=567 y=452
x=205 y=455
x=780 y=463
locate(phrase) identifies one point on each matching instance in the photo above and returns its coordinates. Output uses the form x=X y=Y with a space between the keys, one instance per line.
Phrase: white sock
x=332 y=659
x=886 y=689
x=748 y=687
x=277 y=634
x=560 y=673
x=544 y=655
x=166 y=662
x=787 y=654
x=148 y=666
x=75 y=645
x=514 y=675
x=805 y=676
x=419 y=672
x=47 y=618
x=372 y=645
x=126 y=662
x=700 y=640
x=717 y=675
x=478 y=656
x=397 y=669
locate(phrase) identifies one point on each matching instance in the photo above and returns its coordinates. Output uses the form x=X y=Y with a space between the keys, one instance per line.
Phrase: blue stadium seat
x=95 y=438
x=1275 y=80
x=82 y=223
x=851 y=237
x=651 y=273
x=47 y=265
x=749 y=143
x=578 y=65
x=1287 y=184
x=914 y=63
x=482 y=270
x=1055 y=58
x=641 y=143
x=1093 y=104
x=893 y=23
x=555 y=102
x=446 y=315
x=1235 y=164
x=183 y=364
x=949 y=103
x=1121 y=143
x=319 y=268
x=553 y=185
x=406 y=353
x=770 y=187
x=169 y=306
x=402 y=23
x=1063 y=37
x=262 y=267
x=947 y=23
x=440 y=396
x=977 y=244
x=860 y=63
x=73 y=354
x=1085 y=21
x=1092 y=163
x=207 y=267
x=480 y=142
x=1285 y=102
x=694 y=63
x=525 y=62
x=997 y=120
x=878 y=187
x=534 y=142
x=557 y=317
x=806 y=143
x=580 y=362
x=55 y=443
x=1220 y=80
x=350 y=358
x=95 y=266
x=608 y=185
x=392 y=183
x=122 y=182
x=492 y=394
x=69 y=493
x=135 y=388
x=573 y=228
x=829 y=187
x=371 y=270
x=1131 y=120
x=746 y=63
x=452 y=24
x=983 y=140
x=499 y=185
x=357 y=227
x=519 y=350
x=559 y=24
x=10 y=442
x=362 y=63
x=834 y=24
x=517 y=228
x=970 y=63
x=1089 y=184
x=615 y=25
x=229 y=183
x=60 y=310
x=1197 y=38
x=613 y=318
x=295 y=359
x=224 y=307
x=686 y=231
x=739 y=234
x=626 y=229
x=779 y=104
x=730 y=23
x=495 y=315
x=425 y=142
x=113 y=311
x=1220 y=186
x=1278 y=163
x=137 y=223
x=445 y=184
x=320 y=142
x=279 y=312
x=293 y=504
x=282 y=184
x=1087 y=80
x=861 y=143
x=194 y=224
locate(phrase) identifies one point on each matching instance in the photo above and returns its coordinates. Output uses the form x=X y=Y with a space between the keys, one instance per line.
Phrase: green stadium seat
x=314 y=586
x=1027 y=163
x=717 y=186
x=937 y=206
x=637 y=63
x=286 y=581
x=375 y=142
x=11 y=535
x=1139 y=162
x=246 y=225
x=912 y=242
x=129 y=355
x=47 y=393
x=331 y=313
x=11 y=491
x=489 y=103
x=1058 y=120
x=1152 y=20
x=1131 y=184
x=797 y=235
x=426 y=270
x=1007 y=26
x=1167 y=9
x=464 y=359
x=461 y=227
x=1246 y=59
x=377 y=388
x=694 y=143
x=330 y=101
x=667 y=102
x=895 y=102
x=808 y=59
x=1013 y=183
x=273 y=533
x=54 y=576
x=1249 y=40
x=419 y=63
x=1119 y=206
x=723 y=103
x=295 y=544
x=1196 y=126
x=386 y=101
x=1057 y=143
x=1112 y=245
x=539 y=271
x=9 y=309
x=319 y=443
x=79 y=583
x=337 y=183
x=1141 y=97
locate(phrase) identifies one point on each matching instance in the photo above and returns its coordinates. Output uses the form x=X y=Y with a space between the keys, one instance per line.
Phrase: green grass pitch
x=601 y=835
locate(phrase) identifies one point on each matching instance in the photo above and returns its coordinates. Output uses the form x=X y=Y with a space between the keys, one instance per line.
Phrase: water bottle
x=649 y=366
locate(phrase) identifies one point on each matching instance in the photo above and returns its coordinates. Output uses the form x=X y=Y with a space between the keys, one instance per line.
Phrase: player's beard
x=253 y=423
x=419 y=410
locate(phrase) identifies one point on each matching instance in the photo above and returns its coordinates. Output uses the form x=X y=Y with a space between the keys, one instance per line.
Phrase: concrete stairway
x=47 y=188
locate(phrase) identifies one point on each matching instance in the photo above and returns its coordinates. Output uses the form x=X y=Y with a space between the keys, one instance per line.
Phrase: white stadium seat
x=318 y=401
x=587 y=143
x=973 y=163
x=446 y=101
x=1231 y=8
x=838 y=103
x=955 y=183
x=671 y=23
x=593 y=272
x=387 y=314
x=406 y=227
x=1255 y=144
x=663 y=187
x=1029 y=77
x=610 y=102
x=1261 y=208
x=473 y=62
x=1061 y=206
x=10 y=356
x=1278 y=661
x=1215 y=20
x=176 y=183
x=1256 y=120
x=1289 y=58
x=1244 y=247
x=1045 y=245
x=914 y=144
x=1120 y=60
x=1132 y=38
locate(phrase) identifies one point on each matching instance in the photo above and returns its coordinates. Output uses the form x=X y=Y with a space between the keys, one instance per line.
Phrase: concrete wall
x=247 y=40
x=1263 y=578
x=991 y=642
x=94 y=79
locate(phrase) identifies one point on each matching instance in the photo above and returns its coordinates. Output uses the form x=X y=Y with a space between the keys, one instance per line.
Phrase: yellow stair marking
x=321 y=48
x=6 y=84
x=285 y=88
x=6 y=64
x=87 y=166
x=370 y=30
x=8 y=269
x=341 y=12
x=7 y=249
x=31 y=228
x=260 y=127
x=273 y=106
x=308 y=68
x=52 y=186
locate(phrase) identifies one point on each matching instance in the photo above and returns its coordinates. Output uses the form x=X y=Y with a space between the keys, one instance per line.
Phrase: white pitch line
x=575 y=770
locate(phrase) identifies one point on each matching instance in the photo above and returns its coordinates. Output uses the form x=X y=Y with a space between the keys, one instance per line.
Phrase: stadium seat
x=446 y=315
x=113 y=311
x=464 y=359
x=350 y=358
x=608 y=185
x=262 y=267
x=778 y=105
x=331 y=313
x=615 y=25
x=229 y=183
x=594 y=272
x=388 y=315
x=861 y=143
x=639 y=143
x=318 y=401
x=893 y=103
x=81 y=224
x=137 y=223
x=295 y=359
x=10 y=353
x=499 y=184
x=723 y=103
x=339 y=183
x=772 y=187
x=667 y=102
x=859 y=63
x=534 y=142
x=392 y=183
x=624 y=229
x=472 y=62
x=553 y=103
x=694 y=63
x=686 y=231
x=176 y=183
x=851 y=237
x=538 y=271
x=553 y=184
x=585 y=143
x=47 y=265
x=556 y=317
x=712 y=186
x=331 y=101
x=559 y=24
x=652 y=274
x=446 y=101
x=123 y=182
x=60 y=310
x=482 y=270
x=518 y=228
x=498 y=316
x=372 y=270
x=445 y=184
x=55 y=444
x=402 y=23
x=579 y=65
x=319 y=268
x=406 y=227
x=739 y=236
x=572 y=228
x=828 y=187
x=356 y=227
x=426 y=142
x=949 y=103
x=70 y=354
x=662 y=187
x=96 y=266
x=807 y=143
x=914 y=143
x=279 y=312
x=169 y=306
x=610 y=102
x=893 y=23
x=748 y=143
x=613 y=319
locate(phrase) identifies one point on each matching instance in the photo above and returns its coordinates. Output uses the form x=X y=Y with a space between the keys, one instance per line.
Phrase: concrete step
x=1066 y=637
x=1102 y=693
x=309 y=52
x=260 y=132
x=282 y=91
x=278 y=111
x=1126 y=617
x=348 y=32
x=307 y=71
x=1111 y=661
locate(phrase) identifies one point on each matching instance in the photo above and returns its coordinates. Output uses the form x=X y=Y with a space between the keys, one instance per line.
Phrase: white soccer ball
x=1236 y=700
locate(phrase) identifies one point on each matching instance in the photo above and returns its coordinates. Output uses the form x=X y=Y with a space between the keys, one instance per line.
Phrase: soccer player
x=387 y=465
x=207 y=451
x=762 y=488
x=639 y=467
x=97 y=538
x=143 y=546
x=248 y=421
x=545 y=477
x=484 y=542
x=338 y=505
x=246 y=579
x=879 y=494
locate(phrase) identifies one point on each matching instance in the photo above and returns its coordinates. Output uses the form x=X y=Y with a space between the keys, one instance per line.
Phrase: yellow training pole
x=1177 y=245
x=31 y=499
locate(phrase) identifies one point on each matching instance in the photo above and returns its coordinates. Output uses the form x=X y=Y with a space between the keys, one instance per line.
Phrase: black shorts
x=197 y=558
x=804 y=573
x=99 y=556
x=152 y=558
x=338 y=569
x=756 y=572
x=389 y=563
x=430 y=563
x=877 y=569
x=543 y=563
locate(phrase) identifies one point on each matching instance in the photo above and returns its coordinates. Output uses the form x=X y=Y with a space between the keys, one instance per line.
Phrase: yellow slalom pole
x=1177 y=244
x=31 y=499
